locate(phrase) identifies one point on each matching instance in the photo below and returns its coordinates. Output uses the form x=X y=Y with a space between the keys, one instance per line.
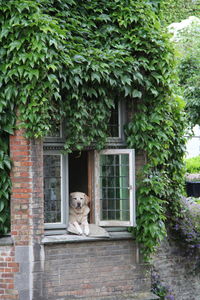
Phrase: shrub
x=193 y=165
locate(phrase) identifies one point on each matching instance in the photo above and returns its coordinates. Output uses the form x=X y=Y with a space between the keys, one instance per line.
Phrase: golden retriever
x=78 y=213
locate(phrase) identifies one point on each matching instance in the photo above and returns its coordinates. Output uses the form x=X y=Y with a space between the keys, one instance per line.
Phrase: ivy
x=159 y=131
x=71 y=60
x=5 y=183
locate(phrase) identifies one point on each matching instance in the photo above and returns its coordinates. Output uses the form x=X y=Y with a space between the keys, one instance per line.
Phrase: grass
x=193 y=165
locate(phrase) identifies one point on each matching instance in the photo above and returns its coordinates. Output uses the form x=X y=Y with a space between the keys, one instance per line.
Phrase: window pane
x=52 y=188
x=114 y=122
x=114 y=186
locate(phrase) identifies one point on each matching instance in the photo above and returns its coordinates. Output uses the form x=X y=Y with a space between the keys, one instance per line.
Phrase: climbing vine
x=71 y=60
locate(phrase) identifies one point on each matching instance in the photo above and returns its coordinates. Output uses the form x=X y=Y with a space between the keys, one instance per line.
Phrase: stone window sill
x=6 y=240
x=70 y=238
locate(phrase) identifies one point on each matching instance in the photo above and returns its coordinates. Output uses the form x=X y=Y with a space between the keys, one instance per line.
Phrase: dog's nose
x=78 y=204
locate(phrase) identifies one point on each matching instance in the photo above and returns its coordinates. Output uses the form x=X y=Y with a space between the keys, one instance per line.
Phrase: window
x=116 y=124
x=107 y=177
x=114 y=183
x=55 y=189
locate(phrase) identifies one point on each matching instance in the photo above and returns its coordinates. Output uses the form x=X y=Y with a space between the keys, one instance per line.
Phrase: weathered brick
x=92 y=269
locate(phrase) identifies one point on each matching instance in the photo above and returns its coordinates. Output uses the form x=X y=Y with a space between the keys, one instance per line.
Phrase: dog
x=78 y=213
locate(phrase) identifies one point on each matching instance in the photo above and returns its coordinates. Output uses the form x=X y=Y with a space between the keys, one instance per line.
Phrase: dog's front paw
x=80 y=232
x=86 y=231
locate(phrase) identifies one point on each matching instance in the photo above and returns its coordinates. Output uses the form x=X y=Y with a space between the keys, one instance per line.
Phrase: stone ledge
x=6 y=241
x=70 y=238
x=133 y=296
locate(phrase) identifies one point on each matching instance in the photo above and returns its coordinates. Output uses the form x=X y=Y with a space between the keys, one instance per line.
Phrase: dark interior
x=78 y=172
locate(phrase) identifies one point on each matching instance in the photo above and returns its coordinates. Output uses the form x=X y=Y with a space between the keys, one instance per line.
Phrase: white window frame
x=98 y=221
x=64 y=191
x=120 y=139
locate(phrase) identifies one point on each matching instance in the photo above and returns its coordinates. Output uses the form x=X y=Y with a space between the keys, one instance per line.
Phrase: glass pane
x=114 y=186
x=113 y=126
x=52 y=188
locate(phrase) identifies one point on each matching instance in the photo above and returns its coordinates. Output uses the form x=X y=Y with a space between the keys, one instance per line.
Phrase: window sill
x=70 y=238
x=6 y=240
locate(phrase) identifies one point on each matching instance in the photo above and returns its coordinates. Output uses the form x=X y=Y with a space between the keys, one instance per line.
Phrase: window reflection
x=52 y=188
x=114 y=185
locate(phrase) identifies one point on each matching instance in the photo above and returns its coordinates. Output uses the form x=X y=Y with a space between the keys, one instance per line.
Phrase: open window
x=115 y=187
x=107 y=177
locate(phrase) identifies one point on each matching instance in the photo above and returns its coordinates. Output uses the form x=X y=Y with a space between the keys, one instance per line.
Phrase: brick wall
x=21 y=216
x=94 y=269
x=29 y=280
x=27 y=226
x=30 y=270
x=8 y=269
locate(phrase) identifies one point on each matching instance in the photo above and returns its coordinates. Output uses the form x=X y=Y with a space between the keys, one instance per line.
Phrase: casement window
x=55 y=189
x=115 y=187
x=107 y=177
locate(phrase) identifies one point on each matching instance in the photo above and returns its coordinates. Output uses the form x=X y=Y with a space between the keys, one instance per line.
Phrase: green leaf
x=136 y=94
x=2 y=205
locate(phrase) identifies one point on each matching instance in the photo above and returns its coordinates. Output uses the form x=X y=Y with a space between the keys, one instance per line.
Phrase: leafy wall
x=72 y=59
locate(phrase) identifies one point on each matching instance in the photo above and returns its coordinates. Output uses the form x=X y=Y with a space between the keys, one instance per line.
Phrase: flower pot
x=193 y=188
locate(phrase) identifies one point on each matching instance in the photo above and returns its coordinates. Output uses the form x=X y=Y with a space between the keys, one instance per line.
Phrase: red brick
x=22 y=185
x=21 y=152
x=19 y=146
x=21 y=196
x=22 y=174
x=8 y=275
x=21 y=190
x=8 y=259
x=7 y=270
x=22 y=243
x=13 y=264
x=11 y=286
x=22 y=163
x=7 y=280
x=19 y=180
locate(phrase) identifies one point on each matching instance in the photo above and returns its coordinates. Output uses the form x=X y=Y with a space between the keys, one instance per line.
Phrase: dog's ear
x=87 y=200
x=70 y=197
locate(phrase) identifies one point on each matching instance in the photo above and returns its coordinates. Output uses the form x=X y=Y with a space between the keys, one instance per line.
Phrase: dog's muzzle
x=78 y=205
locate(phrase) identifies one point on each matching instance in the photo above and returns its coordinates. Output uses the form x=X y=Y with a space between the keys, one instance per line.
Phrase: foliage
x=5 y=184
x=161 y=135
x=158 y=288
x=71 y=60
x=187 y=42
x=187 y=230
x=178 y=10
x=193 y=165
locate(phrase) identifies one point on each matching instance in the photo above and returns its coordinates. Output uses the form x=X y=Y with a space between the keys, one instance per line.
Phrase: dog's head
x=78 y=200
